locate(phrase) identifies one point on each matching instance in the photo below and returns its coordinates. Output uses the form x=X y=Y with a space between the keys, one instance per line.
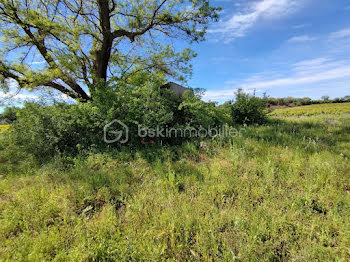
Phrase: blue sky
x=283 y=47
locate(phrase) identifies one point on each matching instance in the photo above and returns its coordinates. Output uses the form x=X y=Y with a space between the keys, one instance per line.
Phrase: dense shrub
x=198 y=113
x=248 y=109
x=150 y=107
x=45 y=131
x=9 y=115
x=224 y=114
x=304 y=101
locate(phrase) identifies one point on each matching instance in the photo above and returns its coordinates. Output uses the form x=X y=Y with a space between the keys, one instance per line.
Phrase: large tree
x=74 y=46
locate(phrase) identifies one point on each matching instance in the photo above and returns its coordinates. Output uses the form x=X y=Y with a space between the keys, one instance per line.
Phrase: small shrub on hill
x=248 y=109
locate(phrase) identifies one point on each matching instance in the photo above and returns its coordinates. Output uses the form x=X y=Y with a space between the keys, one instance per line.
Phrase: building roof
x=178 y=89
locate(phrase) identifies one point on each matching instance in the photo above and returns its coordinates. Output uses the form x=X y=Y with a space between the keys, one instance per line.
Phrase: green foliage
x=88 y=42
x=47 y=130
x=224 y=114
x=292 y=101
x=9 y=115
x=197 y=113
x=278 y=193
x=248 y=109
x=4 y=127
x=141 y=105
x=325 y=98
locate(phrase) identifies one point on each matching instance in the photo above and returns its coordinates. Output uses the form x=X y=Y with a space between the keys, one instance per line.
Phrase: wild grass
x=313 y=110
x=281 y=192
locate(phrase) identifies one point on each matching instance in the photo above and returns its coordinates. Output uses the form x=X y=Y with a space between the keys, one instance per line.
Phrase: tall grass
x=281 y=192
x=313 y=110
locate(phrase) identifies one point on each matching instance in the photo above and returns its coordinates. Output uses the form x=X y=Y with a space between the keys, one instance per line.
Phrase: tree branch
x=132 y=35
x=6 y=72
x=39 y=42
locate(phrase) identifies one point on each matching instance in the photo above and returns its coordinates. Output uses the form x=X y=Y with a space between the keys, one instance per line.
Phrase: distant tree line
x=292 y=101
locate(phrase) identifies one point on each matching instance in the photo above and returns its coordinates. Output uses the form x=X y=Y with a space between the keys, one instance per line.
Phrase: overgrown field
x=314 y=110
x=281 y=192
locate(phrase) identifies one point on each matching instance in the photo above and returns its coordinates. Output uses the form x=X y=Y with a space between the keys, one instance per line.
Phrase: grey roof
x=178 y=89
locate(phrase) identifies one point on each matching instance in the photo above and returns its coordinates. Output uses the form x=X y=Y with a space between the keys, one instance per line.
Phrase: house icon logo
x=115 y=131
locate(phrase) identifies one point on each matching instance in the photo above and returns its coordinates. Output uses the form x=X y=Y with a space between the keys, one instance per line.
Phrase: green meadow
x=317 y=109
x=279 y=192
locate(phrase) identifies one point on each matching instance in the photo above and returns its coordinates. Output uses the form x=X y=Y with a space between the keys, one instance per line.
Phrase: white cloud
x=64 y=97
x=17 y=95
x=301 y=39
x=18 y=98
x=309 y=67
x=239 y=23
x=307 y=72
x=219 y=95
x=226 y=95
x=337 y=73
x=320 y=71
x=311 y=63
x=340 y=34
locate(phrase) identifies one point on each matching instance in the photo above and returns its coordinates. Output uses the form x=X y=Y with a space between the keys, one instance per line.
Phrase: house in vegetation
x=178 y=89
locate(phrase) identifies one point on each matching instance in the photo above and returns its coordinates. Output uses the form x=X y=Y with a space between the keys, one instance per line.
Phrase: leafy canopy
x=74 y=45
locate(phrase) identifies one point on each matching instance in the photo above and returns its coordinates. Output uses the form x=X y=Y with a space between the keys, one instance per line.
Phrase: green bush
x=47 y=130
x=248 y=109
x=146 y=105
x=9 y=115
x=197 y=113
